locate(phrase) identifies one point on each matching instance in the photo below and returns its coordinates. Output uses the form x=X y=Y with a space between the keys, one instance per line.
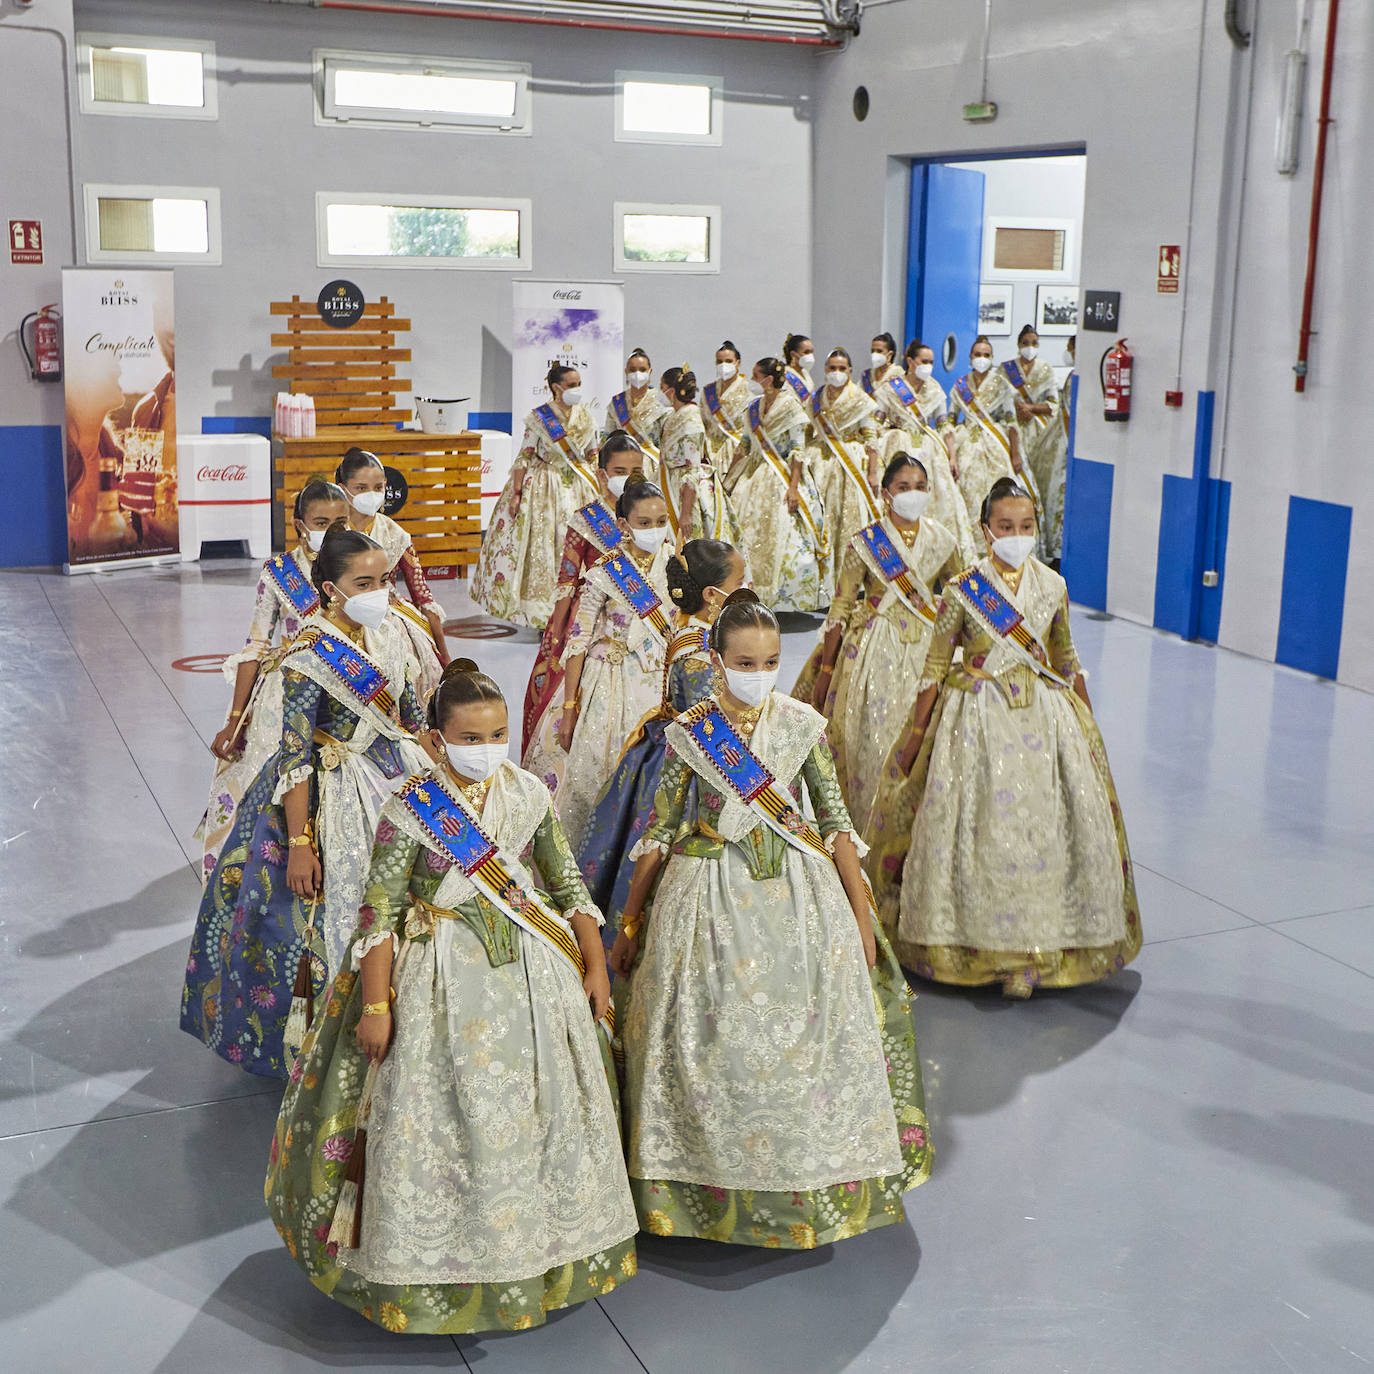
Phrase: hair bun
x=456 y=667
x=637 y=479
x=741 y=595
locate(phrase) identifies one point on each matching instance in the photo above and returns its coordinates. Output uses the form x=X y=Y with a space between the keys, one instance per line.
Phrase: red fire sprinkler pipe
x=1318 y=177
x=553 y=21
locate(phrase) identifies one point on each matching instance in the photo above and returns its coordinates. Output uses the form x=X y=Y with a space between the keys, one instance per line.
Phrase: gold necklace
x=474 y=793
x=353 y=632
x=745 y=718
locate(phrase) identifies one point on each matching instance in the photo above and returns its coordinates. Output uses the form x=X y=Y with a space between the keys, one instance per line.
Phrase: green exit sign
x=980 y=112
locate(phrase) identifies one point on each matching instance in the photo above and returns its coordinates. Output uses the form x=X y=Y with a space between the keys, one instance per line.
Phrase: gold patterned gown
x=682 y=450
x=773 y=1087
x=982 y=450
x=404 y=563
x=783 y=552
x=852 y=420
x=517 y=571
x=903 y=433
x=724 y=435
x=1014 y=865
x=647 y=413
x=1049 y=463
x=622 y=679
x=495 y=1188
x=882 y=651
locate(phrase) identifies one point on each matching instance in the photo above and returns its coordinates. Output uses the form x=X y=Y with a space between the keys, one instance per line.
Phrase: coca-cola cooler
x=225 y=491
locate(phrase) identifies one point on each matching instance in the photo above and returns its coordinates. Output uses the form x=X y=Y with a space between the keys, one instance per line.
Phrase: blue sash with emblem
x=602 y=525
x=796 y=382
x=365 y=681
x=554 y=428
x=636 y=592
x=907 y=397
x=894 y=568
x=991 y=609
x=713 y=403
x=868 y=380
x=292 y=586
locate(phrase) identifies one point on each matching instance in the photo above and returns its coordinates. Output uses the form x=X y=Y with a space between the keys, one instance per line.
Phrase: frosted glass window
x=398 y=91
x=434 y=232
x=173 y=78
x=419 y=91
x=654 y=108
x=148 y=223
x=667 y=238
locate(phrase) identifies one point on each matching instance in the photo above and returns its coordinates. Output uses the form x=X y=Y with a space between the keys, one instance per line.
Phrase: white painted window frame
x=624 y=264
x=1067 y=274
x=324 y=258
x=88 y=104
x=94 y=191
x=717 y=86
x=520 y=125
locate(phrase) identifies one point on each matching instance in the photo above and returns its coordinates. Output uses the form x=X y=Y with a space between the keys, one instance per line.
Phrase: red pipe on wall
x=550 y=21
x=1318 y=177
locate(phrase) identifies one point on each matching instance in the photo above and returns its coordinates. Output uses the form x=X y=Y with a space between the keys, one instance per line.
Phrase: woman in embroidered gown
x=782 y=520
x=915 y=414
x=844 y=447
x=347 y=709
x=252 y=731
x=517 y=571
x=876 y=634
x=772 y=1084
x=638 y=410
x=494 y=1189
x=697 y=505
x=725 y=413
x=883 y=364
x=363 y=479
x=699 y=579
x=988 y=444
x=799 y=358
x=999 y=851
x=592 y=534
x=1049 y=463
x=613 y=661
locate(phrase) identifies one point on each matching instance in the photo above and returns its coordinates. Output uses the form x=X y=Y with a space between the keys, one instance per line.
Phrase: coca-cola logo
x=567 y=295
x=235 y=472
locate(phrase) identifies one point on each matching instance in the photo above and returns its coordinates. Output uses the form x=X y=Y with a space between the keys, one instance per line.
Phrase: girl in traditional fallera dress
x=781 y=516
x=1049 y=462
x=285 y=598
x=915 y=415
x=592 y=534
x=289 y=879
x=699 y=580
x=878 y=628
x=999 y=853
x=883 y=364
x=772 y=1085
x=697 y=505
x=447 y=1158
x=363 y=479
x=517 y=571
x=725 y=412
x=638 y=410
x=613 y=660
x=844 y=430
x=988 y=441
x=799 y=358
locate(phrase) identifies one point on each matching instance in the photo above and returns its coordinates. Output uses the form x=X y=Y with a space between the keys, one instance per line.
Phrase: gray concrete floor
x=1169 y=1171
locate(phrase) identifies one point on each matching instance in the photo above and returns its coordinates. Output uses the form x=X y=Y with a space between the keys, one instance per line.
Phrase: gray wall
x=268 y=157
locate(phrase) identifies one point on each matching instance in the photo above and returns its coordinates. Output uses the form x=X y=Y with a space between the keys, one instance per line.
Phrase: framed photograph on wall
x=994 y=308
x=1056 y=309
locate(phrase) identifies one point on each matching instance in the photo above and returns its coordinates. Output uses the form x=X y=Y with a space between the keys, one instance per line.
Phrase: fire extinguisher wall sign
x=45 y=359
x=1115 y=373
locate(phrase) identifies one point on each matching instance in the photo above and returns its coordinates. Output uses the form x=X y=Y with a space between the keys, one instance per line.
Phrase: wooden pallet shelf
x=351 y=375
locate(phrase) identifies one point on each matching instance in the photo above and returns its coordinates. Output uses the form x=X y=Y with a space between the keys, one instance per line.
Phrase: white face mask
x=368 y=609
x=649 y=540
x=1028 y=353
x=616 y=485
x=981 y=364
x=755 y=388
x=925 y=371
x=368 y=502
x=637 y=379
x=571 y=395
x=315 y=538
x=878 y=359
x=725 y=372
x=750 y=688
x=477 y=761
x=837 y=378
x=910 y=505
x=806 y=362
x=1013 y=549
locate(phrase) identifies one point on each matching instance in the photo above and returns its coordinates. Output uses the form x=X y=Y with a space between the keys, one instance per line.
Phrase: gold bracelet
x=630 y=925
x=304 y=838
x=233 y=715
x=572 y=705
x=376 y=1008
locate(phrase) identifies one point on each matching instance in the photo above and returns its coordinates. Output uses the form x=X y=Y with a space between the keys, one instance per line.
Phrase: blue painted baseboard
x=237 y=424
x=1087 y=531
x=31 y=470
x=1316 y=556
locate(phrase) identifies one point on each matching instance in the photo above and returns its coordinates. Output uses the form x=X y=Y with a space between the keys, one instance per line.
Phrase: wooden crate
x=352 y=376
x=443 y=471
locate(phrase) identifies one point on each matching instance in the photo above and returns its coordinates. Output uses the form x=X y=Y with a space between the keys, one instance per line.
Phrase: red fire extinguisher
x=1115 y=373
x=45 y=362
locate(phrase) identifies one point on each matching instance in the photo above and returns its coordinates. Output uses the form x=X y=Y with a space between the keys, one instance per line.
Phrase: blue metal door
x=944 y=263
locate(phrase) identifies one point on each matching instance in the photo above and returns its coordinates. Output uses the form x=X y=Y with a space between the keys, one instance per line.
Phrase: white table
x=224 y=487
